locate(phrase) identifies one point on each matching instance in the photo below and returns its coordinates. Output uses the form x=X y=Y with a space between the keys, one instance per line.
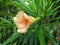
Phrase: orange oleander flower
x=23 y=21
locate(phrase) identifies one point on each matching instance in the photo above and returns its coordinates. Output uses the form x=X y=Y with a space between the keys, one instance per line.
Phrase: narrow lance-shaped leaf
x=51 y=38
x=13 y=37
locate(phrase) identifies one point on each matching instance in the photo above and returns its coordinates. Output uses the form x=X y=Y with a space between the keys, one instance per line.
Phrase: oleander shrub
x=40 y=32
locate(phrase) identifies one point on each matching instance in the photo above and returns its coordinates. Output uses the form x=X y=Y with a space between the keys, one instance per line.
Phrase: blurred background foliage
x=41 y=32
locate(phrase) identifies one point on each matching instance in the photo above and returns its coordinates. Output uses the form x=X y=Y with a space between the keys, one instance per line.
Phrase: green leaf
x=7 y=21
x=13 y=37
x=26 y=37
x=51 y=38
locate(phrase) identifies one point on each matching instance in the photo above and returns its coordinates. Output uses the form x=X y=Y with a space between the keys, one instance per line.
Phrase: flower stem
x=41 y=36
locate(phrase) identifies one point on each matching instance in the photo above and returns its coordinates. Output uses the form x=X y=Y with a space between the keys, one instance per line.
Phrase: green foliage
x=45 y=27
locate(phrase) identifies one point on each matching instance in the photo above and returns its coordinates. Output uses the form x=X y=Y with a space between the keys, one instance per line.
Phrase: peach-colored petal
x=20 y=15
x=29 y=18
x=23 y=30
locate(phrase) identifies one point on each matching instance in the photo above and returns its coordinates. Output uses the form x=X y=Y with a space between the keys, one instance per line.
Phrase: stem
x=41 y=36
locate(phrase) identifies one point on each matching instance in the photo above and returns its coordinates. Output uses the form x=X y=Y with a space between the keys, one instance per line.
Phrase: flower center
x=25 y=21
